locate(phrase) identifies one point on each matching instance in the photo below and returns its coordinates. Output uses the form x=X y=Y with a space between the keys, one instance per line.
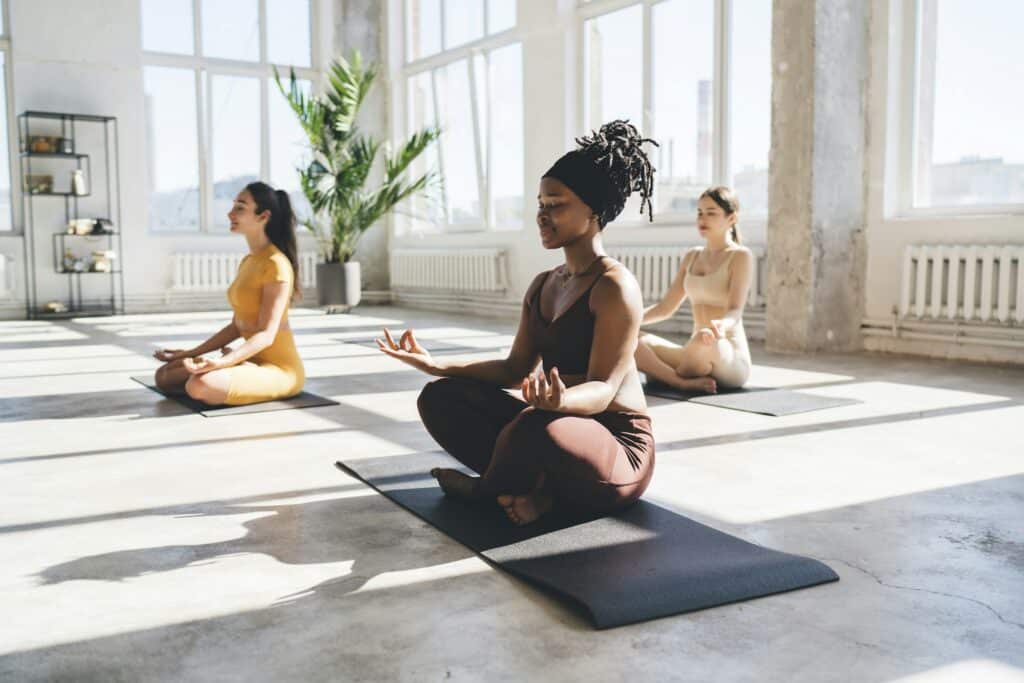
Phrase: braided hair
x=617 y=148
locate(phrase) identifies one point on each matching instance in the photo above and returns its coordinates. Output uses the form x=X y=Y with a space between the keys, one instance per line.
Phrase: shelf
x=64 y=117
x=56 y=194
x=88 y=234
x=53 y=155
x=88 y=272
x=89 y=312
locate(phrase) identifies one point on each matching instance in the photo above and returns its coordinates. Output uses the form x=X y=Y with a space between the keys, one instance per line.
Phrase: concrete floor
x=139 y=541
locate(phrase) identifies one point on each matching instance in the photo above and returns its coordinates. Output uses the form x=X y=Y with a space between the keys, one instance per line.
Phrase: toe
x=505 y=501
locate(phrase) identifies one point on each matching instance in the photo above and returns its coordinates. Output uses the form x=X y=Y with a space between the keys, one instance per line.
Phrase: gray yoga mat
x=643 y=563
x=302 y=400
x=764 y=401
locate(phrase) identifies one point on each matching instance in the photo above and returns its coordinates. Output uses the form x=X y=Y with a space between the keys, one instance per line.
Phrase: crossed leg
x=686 y=367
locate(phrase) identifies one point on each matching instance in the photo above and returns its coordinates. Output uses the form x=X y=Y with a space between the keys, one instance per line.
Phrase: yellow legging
x=274 y=373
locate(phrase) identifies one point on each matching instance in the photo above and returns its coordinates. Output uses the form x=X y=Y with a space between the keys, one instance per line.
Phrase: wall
x=548 y=29
x=85 y=56
x=888 y=234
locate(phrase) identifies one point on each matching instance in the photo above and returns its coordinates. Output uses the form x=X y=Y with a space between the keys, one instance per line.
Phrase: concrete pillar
x=816 y=186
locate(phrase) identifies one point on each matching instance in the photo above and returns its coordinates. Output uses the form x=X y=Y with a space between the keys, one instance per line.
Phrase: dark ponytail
x=280 y=228
x=727 y=201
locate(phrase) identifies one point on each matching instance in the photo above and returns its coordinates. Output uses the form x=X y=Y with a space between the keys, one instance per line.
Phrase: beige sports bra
x=711 y=289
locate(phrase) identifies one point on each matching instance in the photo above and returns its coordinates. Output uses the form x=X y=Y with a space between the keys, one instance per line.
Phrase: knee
x=433 y=397
x=198 y=388
x=527 y=428
x=162 y=379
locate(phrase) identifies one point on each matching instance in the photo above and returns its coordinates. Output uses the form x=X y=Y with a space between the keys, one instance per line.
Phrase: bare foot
x=527 y=508
x=706 y=384
x=455 y=483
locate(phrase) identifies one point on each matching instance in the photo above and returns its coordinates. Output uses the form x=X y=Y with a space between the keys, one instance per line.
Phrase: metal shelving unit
x=69 y=125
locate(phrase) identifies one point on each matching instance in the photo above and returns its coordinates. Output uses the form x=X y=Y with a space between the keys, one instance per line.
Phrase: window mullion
x=647 y=93
x=482 y=182
x=444 y=13
x=440 y=146
x=720 y=163
x=205 y=99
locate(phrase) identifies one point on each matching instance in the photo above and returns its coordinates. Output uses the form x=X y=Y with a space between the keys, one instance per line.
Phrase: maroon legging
x=597 y=463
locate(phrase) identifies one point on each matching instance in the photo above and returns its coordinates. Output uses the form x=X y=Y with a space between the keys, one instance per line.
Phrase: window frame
x=203 y=68
x=905 y=53
x=721 y=117
x=467 y=52
x=13 y=168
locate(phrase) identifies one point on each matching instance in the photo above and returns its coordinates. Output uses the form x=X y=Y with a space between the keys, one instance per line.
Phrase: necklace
x=565 y=276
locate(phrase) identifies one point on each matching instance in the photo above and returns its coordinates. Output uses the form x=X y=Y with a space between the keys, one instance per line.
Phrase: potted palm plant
x=336 y=180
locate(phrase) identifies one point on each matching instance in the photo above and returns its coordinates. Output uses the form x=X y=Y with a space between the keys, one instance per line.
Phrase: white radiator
x=471 y=270
x=655 y=266
x=963 y=283
x=7 y=284
x=206 y=272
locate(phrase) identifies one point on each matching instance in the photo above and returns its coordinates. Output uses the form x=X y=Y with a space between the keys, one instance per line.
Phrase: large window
x=661 y=64
x=215 y=119
x=464 y=74
x=967 y=148
x=6 y=220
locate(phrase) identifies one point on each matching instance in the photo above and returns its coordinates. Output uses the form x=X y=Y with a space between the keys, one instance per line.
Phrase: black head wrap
x=606 y=168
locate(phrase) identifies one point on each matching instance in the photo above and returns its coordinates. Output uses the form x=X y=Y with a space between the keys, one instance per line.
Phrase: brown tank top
x=565 y=342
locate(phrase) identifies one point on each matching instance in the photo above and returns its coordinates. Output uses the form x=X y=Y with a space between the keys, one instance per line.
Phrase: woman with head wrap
x=580 y=438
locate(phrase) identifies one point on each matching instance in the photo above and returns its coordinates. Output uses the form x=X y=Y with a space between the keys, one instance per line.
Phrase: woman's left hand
x=544 y=394
x=199 y=366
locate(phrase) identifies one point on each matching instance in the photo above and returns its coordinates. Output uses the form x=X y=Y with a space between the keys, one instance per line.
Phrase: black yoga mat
x=302 y=400
x=764 y=401
x=643 y=563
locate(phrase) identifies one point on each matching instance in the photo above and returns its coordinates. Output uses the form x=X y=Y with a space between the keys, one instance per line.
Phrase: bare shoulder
x=537 y=282
x=742 y=254
x=616 y=286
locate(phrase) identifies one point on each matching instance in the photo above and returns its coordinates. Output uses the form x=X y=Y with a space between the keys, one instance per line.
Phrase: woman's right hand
x=408 y=350
x=168 y=355
x=707 y=335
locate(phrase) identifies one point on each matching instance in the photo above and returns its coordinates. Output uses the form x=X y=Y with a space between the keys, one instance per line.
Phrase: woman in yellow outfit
x=267 y=366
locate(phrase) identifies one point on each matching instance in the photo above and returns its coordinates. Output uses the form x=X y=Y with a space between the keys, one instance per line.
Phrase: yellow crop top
x=265 y=266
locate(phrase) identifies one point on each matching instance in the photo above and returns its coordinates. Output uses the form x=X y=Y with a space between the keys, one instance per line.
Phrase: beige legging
x=731 y=372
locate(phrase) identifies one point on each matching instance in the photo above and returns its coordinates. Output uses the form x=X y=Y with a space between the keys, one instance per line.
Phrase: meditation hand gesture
x=544 y=394
x=408 y=350
x=708 y=335
x=198 y=366
x=168 y=355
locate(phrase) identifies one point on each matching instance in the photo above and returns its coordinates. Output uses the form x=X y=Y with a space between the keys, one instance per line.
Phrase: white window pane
x=501 y=15
x=969 y=148
x=289 y=147
x=683 y=64
x=5 y=171
x=613 y=64
x=167 y=26
x=172 y=148
x=506 y=120
x=425 y=210
x=458 y=154
x=423 y=28
x=288 y=32
x=3 y=28
x=231 y=29
x=463 y=22
x=234 y=139
x=751 y=97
